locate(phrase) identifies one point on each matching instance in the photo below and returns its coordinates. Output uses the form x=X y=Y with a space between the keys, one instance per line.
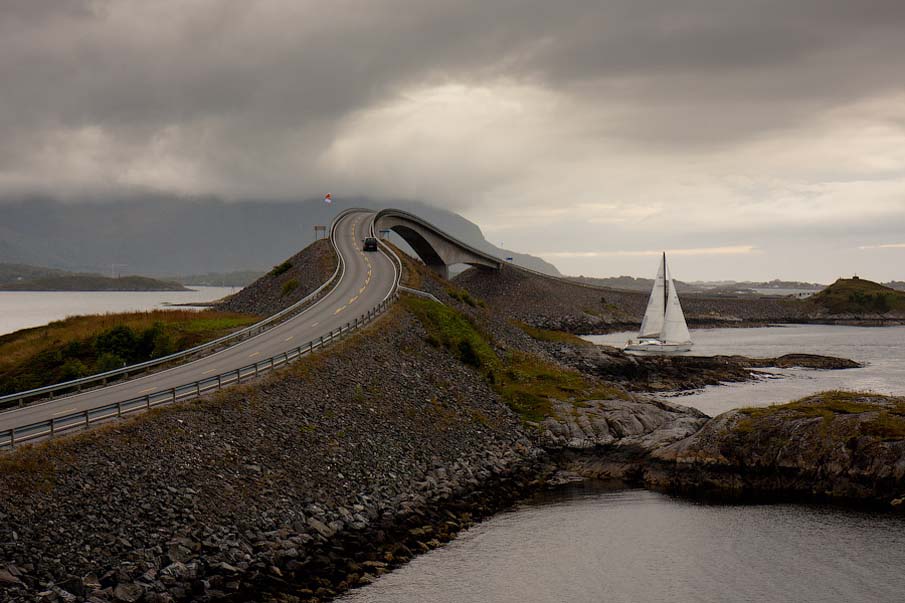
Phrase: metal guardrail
x=77 y=385
x=84 y=419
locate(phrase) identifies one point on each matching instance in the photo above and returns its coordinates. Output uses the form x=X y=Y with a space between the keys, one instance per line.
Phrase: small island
x=78 y=282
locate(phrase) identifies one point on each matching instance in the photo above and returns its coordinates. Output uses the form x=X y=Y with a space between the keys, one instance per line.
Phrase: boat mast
x=665 y=286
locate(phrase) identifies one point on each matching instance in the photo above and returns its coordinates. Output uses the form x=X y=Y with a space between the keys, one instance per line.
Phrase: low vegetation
x=83 y=345
x=290 y=286
x=465 y=297
x=281 y=268
x=527 y=383
x=887 y=420
x=859 y=296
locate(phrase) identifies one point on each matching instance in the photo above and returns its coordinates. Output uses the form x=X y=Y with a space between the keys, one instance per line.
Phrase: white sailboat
x=663 y=329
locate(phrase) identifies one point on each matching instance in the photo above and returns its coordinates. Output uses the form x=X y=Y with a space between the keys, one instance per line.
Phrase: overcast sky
x=751 y=139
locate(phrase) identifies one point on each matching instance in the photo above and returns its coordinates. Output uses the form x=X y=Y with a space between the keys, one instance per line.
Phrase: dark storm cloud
x=133 y=69
x=722 y=113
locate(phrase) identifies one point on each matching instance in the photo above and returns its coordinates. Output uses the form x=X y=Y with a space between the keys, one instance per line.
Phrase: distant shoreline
x=94 y=283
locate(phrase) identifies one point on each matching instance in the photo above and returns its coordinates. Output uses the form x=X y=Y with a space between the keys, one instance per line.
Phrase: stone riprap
x=283 y=286
x=255 y=490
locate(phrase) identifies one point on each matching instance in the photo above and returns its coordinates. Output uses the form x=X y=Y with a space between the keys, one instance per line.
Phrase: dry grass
x=20 y=345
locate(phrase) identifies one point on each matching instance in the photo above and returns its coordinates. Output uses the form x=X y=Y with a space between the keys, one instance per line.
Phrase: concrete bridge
x=437 y=249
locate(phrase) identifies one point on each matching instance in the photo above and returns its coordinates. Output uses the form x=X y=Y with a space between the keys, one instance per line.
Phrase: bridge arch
x=436 y=248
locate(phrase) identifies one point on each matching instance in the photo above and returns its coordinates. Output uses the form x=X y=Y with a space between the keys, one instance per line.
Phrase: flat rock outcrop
x=650 y=373
x=834 y=446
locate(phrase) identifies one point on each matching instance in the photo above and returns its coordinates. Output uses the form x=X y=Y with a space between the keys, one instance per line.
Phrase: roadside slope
x=286 y=283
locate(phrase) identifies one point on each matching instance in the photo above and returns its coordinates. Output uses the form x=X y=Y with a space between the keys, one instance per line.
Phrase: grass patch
x=465 y=297
x=529 y=384
x=888 y=422
x=835 y=402
x=281 y=268
x=290 y=286
x=550 y=335
x=83 y=345
x=449 y=329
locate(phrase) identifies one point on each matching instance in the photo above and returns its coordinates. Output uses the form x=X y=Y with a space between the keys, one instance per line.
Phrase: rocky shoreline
x=682 y=373
x=323 y=476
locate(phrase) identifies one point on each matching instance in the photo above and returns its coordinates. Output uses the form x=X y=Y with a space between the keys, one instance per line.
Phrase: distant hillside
x=630 y=283
x=163 y=236
x=12 y=273
x=859 y=296
x=897 y=285
x=77 y=282
x=237 y=278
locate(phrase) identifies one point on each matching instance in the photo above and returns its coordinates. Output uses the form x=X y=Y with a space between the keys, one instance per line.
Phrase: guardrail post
x=52 y=426
x=148 y=401
x=173 y=393
x=12 y=438
x=219 y=382
x=198 y=388
x=119 y=409
x=87 y=420
x=256 y=369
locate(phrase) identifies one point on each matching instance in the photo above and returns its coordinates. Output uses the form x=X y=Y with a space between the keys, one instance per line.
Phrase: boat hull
x=657 y=347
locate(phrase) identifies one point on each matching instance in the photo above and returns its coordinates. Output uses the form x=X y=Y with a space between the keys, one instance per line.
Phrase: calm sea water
x=881 y=349
x=22 y=309
x=590 y=545
x=586 y=545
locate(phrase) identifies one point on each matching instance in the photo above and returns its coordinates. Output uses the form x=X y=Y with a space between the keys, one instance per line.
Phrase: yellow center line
x=352 y=301
x=314 y=324
x=338 y=310
x=144 y=391
x=254 y=354
x=63 y=412
x=290 y=337
x=362 y=290
x=209 y=371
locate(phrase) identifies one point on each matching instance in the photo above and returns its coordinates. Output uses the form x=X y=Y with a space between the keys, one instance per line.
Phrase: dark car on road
x=370 y=244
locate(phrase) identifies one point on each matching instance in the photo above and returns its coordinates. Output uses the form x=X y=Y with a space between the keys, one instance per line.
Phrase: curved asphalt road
x=367 y=279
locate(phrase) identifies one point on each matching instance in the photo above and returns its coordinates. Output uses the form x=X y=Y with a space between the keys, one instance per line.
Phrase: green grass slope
x=859 y=296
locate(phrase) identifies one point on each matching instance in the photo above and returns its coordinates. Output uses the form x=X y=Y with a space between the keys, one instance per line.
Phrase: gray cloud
x=492 y=108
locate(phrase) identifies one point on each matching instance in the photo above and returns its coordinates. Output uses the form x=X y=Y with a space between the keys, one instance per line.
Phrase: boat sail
x=663 y=328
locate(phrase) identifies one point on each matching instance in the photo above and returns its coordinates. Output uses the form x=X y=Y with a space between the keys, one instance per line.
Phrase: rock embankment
x=832 y=446
x=677 y=373
x=286 y=283
x=308 y=482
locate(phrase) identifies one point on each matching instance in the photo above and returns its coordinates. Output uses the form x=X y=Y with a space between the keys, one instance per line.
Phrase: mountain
x=166 y=236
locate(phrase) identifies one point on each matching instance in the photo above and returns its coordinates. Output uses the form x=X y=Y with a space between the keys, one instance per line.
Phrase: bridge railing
x=84 y=419
x=19 y=399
